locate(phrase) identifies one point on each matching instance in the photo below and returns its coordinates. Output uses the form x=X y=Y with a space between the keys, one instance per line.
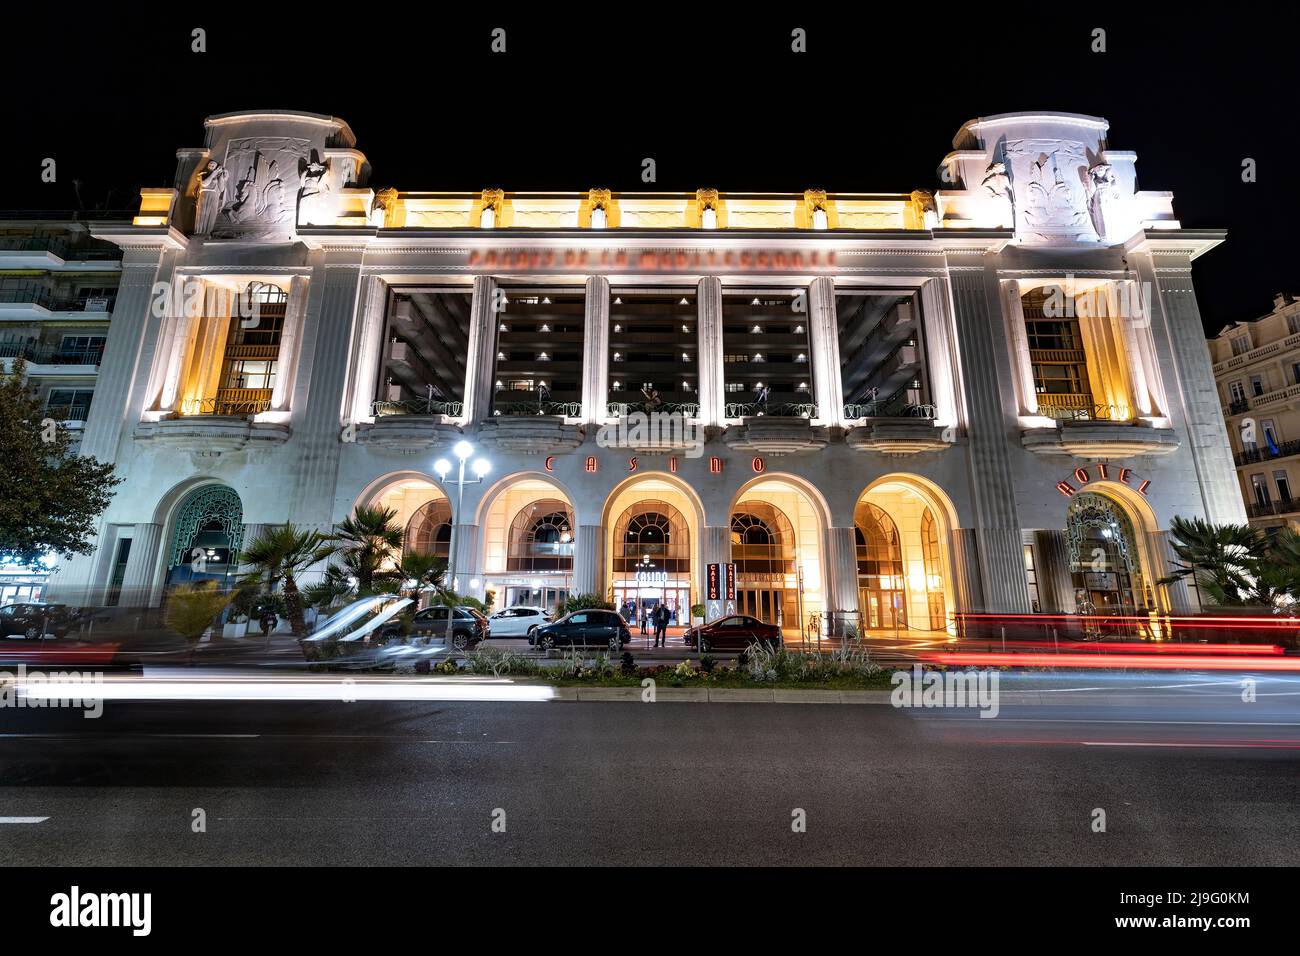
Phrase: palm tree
x=368 y=543
x=1224 y=560
x=191 y=609
x=278 y=556
x=427 y=571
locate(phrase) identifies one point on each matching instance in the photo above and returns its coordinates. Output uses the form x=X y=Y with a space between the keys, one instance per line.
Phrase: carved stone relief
x=261 y=193
x=1049 y=179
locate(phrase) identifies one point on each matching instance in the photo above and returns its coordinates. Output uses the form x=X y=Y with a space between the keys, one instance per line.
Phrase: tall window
x=1058 y=359
x=933 y=571
x=539 y=353
x=653 y=365
x=762 y=540
x=429 y=530
x=882 y=361
x=425 y=348
x=766 y=369
x=69 y=404
x=881 y=584
x=541 y=537
x=252 y=351
x=652 y=533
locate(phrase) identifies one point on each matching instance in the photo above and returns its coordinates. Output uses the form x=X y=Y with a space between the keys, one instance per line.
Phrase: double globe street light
x=463 y=451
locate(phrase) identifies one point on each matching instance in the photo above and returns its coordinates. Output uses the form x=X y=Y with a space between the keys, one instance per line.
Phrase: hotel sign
x=652 y=260
x=1103 y=471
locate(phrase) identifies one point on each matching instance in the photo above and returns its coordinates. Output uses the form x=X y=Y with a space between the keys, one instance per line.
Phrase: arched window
x=933 y=571
x=1104 y=557
x=207 y=536
x=881 y=583
x=655 y=530
x=541 y=537
x=762 y=539
x=429 y=530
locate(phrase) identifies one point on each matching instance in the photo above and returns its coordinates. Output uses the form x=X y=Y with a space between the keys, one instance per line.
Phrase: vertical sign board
x=713 y=592
x=731 y=588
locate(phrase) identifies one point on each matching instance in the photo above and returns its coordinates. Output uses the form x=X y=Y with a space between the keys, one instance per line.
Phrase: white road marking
x=23 y=819
x=1139 y=743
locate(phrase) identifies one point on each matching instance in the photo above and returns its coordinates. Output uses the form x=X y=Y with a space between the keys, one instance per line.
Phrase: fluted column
x=1181 y=598
x=482 y=350
x=941 y=357
x=589 y=560
x=1014 y=311
x=466 y=542
x=138 y=583
x=595 y=350
x=709 y=334
x=842 y=563
x=1055 y=585
x=824 y=344
x=369 y=347
x=286 y=365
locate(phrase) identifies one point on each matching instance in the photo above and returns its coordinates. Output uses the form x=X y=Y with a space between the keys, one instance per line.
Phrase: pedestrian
x=645 y=619
x=268 y=621
x=661 y=625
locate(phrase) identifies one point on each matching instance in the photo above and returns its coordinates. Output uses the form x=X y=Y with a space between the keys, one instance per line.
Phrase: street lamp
x=463 y=451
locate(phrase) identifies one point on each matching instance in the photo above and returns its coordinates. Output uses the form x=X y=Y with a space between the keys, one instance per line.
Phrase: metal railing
x=46 y=299
x=58 y=245
x=773 y=410
x=230 y=407
x=623 y=409
x=1265 y=509
x=888 y=409
x=67 y=413
x=416 y=406
x=567 y=409
x=1238 y=406
x=38 y=354
x=1285 y=450
x=1087 y=413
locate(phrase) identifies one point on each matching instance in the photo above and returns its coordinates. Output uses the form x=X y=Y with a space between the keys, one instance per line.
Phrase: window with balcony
x=539 y=352
x=252 y=351
x=766 y=353
x=882 y=358
x=653 y=346
x=69 y=404
x=1240 y=344
x=79 y=350
x=1283 y=482
x=1057 y=358
x=425 y=350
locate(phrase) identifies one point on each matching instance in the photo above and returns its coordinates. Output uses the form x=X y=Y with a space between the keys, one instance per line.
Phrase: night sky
x=716 y=98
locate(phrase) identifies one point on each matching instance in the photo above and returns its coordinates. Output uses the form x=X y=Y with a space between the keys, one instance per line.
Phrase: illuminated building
x=990 y=397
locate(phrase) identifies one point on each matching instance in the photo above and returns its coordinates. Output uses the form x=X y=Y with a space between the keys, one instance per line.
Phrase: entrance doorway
x=768 y=605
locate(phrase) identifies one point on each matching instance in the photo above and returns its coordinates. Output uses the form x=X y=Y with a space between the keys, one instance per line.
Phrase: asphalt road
x=1186 y=774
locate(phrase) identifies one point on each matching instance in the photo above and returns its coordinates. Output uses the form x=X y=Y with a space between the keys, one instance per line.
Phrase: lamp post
x=463 y=451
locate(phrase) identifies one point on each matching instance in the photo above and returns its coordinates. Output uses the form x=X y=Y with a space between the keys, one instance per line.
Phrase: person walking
x=661 y=625
x=645 y=619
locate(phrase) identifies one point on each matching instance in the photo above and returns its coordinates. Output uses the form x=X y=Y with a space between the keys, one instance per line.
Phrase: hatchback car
x=590 y=628
x=518 y=621
x=34 y=621
x=733 y=633
x=468 y=627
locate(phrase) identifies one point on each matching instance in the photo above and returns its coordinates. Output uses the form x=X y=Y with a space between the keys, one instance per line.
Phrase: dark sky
x=715 y=97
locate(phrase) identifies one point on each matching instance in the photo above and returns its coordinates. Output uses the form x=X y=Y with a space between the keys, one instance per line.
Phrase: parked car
x=735 y=632
x=34 y=621
x=518 y=621
x=589 y=628
x=468 y=627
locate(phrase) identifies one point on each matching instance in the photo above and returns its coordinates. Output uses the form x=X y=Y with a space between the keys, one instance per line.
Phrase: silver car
x=517 y=621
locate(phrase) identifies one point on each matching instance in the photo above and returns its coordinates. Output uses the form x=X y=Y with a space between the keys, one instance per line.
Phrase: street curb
x=720 y=695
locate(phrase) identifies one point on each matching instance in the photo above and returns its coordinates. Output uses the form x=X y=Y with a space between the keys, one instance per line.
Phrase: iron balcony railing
x=1086 y=413
x=416 y=406
x=37 y=354
x=567 y=409
x=1253 y=456
x=888 y=409
x=240 y=404
x=623 y=409
x=1266 y=509
x=67 y=413
x=58 y=245
x=1238 y=406
x=46 y=299
x=773 y=410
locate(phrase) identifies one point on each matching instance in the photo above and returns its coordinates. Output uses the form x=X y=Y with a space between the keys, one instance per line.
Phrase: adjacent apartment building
x=1257 y=372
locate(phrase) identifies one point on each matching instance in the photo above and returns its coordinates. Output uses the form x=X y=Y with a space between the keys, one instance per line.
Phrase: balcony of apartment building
x=538 y=373
x=883 y=375
x=52 y=251
x=1273 y=509
x=1271 y=452
x=76 y=356
x=35 y=300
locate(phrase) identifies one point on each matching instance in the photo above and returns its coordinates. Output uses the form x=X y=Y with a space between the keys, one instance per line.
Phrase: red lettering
x=1142 y=488
x=1101 y=470
x=715 y=466
x=1082 y=475
x=550 y=462
x=672 y=465
x=1065 y=488
x=591 y=462
x=760 y=466
x=631 y=464
x=1124 y=475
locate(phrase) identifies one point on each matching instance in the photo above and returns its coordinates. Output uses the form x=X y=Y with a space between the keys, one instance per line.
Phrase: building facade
x=1257 y=371
x=58 y=285
x=993 y=397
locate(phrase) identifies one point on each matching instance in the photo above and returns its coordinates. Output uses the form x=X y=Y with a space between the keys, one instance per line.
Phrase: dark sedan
x=590 y=628
x=732 y=633
x=467 y=629
x=34 y=621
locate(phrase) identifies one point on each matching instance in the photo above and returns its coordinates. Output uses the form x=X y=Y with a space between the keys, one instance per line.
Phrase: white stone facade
x=1034 y=202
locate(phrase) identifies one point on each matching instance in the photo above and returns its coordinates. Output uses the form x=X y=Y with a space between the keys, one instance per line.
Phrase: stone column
x=286 y=365
x=1055 y=586
x=709 y=333
x=1181 y=598
x=715 y=548
x=466 y=553
x=369 y=347
x=589 y=560
x=479 y=387
x=988 y=432
x=173 y=341
x=940 y=355
x=1026 y=396
x=824 y=346
x=595 y=351
x=142 y=584
x=1178 y=317
x=966 y=571
x=842 y=570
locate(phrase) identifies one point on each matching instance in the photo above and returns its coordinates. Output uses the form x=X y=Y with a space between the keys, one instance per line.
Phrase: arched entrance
x=902 y=529
x=777 y=526
x=1105 y=555
x=207 y=533
x=651 y=559
x=529 y=543
x=422 y=511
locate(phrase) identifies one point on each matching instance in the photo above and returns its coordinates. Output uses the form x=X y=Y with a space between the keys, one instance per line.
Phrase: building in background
x=58 y=285
x=884 y=408
x=1257 y=371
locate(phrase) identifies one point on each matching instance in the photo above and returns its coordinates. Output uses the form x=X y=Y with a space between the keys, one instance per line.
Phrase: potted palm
x=276 y=559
